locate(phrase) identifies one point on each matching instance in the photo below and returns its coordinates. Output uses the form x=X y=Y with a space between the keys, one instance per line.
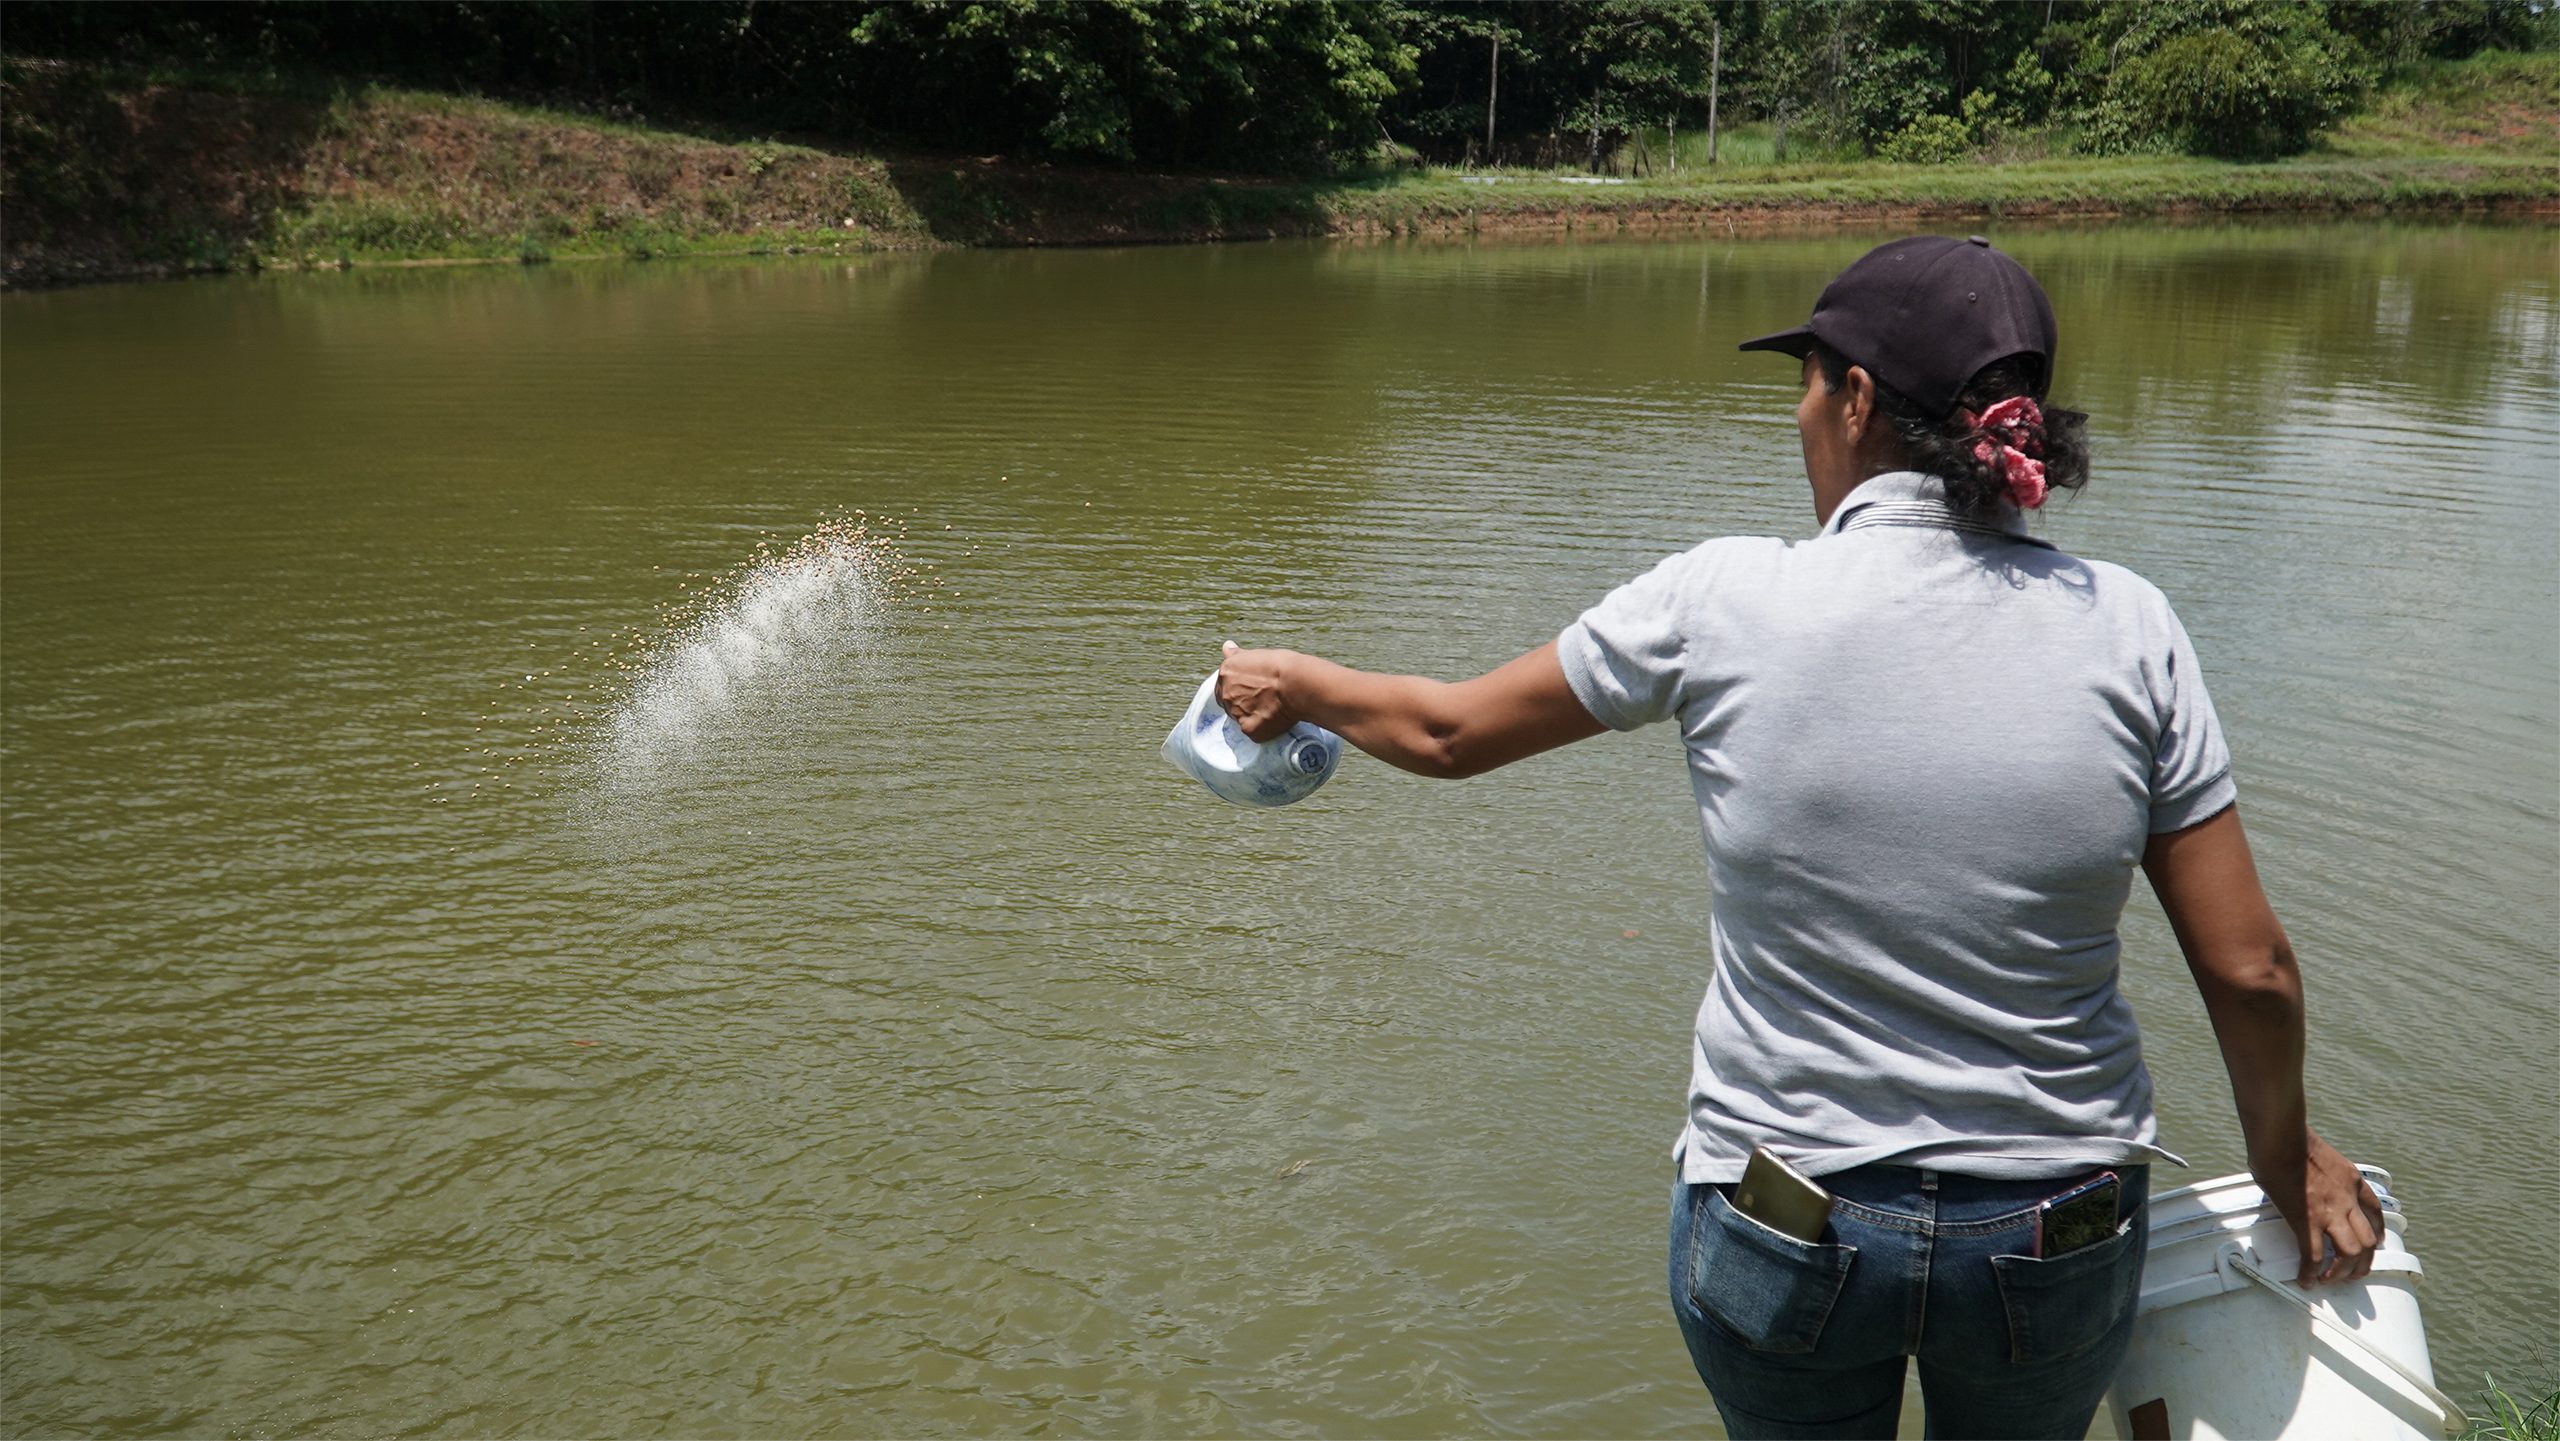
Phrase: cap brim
x=1798 y=342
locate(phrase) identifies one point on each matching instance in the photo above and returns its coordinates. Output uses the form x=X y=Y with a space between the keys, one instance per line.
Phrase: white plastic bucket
x=2226 y=1346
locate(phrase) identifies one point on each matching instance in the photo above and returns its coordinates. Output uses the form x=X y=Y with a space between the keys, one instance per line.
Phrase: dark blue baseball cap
x=1923 y=315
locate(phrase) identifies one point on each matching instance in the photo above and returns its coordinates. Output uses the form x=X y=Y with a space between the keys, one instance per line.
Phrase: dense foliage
x=1214 y=81
x=1299 y=84
x=2235 y=77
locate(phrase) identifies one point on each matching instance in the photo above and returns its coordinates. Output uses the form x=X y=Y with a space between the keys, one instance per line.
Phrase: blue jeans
x=1795 y=1339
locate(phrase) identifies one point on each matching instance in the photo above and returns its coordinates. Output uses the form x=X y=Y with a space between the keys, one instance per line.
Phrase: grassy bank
x=111 y=174
x=2079 y=186
x=2480 y=135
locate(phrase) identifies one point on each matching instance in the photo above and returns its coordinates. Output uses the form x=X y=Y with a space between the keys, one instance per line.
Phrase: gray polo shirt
x=1927 y=755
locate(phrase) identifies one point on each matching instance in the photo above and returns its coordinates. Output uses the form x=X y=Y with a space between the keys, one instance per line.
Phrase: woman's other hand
x=2335 y=1215
x=2244 y=968
x=1251 y=693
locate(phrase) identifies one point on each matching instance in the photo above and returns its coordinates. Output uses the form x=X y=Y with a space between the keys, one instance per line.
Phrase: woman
x=1928 y=752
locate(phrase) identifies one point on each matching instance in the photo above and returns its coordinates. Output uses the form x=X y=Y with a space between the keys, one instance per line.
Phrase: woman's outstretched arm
x=1432 y=728
x=2208 y=883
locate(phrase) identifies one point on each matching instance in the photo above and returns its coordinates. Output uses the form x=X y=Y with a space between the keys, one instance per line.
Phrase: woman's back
x=1927 y=758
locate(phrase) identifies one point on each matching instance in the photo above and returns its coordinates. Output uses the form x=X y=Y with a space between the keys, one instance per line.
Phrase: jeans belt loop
x=1928 y=1179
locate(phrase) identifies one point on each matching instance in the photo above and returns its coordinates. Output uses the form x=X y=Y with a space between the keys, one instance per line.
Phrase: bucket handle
x=2455 y=1422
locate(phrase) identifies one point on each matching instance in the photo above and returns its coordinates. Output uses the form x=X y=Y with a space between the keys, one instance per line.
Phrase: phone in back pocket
x=1781 y=1198
x=2081 y=1216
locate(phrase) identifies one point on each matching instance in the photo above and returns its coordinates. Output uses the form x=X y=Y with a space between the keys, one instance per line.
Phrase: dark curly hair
x=1943 y=445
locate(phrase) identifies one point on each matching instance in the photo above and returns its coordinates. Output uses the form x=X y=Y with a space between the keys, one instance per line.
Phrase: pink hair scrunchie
x=2012 y=444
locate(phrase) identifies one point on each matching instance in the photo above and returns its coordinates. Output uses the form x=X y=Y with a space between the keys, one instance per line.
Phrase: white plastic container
x=1207 y=746
x=2226 y=1346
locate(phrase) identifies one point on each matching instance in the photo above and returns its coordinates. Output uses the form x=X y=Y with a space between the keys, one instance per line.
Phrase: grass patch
x=119 y=172
x=2499 y=1415
x=406 y=175
x=2130 y=185
x=1751 y=145
x=2495 y=102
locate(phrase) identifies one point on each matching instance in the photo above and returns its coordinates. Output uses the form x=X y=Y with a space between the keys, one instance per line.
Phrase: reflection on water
x=834 y=1018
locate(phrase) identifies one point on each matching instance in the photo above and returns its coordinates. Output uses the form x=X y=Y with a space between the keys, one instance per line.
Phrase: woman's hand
x=1423 y=726
x=2335 y=1216
x=1250 y=691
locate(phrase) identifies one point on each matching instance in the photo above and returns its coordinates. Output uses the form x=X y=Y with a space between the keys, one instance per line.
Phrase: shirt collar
x=1908 y=497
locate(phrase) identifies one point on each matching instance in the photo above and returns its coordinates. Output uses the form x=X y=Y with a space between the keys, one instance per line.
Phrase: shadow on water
x=981 y=202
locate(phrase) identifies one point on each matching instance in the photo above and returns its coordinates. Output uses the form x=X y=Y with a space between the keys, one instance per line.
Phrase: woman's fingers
x=1249 y=692
x=2342 y=1219
x=2368 y=1240
x=2350 y=1250
x=2315 y=1257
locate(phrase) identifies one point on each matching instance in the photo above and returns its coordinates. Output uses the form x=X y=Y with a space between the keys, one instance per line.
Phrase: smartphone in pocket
x=2081 y=1216
x=1782 y=1198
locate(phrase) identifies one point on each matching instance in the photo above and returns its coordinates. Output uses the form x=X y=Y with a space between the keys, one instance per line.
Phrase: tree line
x=1296 y=85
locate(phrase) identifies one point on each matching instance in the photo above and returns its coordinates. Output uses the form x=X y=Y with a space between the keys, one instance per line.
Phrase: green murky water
x=426 y=1015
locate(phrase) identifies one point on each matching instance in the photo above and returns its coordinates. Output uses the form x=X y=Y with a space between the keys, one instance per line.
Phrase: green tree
x=1649 y=60
x=1210 y=81
x=2400 y=35
x=1292 y=84
x=1886 y=86
x=1868 y=70
x=1460 y=50
x=1792 y=71
x=2238 y=78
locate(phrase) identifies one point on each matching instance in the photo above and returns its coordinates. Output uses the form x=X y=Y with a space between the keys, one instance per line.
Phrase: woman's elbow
x=2261 y=980
x=1446 y=751
x=1443 y=760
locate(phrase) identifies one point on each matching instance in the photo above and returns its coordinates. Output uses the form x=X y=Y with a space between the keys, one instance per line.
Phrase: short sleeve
x=1623 y=657
x=2190 y=763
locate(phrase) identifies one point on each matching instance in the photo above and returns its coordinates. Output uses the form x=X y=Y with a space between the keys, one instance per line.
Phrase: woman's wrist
x=2281 y=1147
x=1285 y=688
x=1299 y=679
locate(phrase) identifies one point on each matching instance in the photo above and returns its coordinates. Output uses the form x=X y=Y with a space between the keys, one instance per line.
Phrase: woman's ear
x=1859 y=410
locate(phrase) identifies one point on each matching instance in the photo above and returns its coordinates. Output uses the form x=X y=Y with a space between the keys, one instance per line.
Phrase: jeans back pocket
x=1771 y=1291
x=2061 y=1307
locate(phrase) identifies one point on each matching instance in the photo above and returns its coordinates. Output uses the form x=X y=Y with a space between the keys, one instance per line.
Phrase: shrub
x=1887 y=89
x=1929 y=140
x=2259 y=84
x=2024 y=92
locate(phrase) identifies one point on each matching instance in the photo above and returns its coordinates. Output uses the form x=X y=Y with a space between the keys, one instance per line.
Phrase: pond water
x=445 y=997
